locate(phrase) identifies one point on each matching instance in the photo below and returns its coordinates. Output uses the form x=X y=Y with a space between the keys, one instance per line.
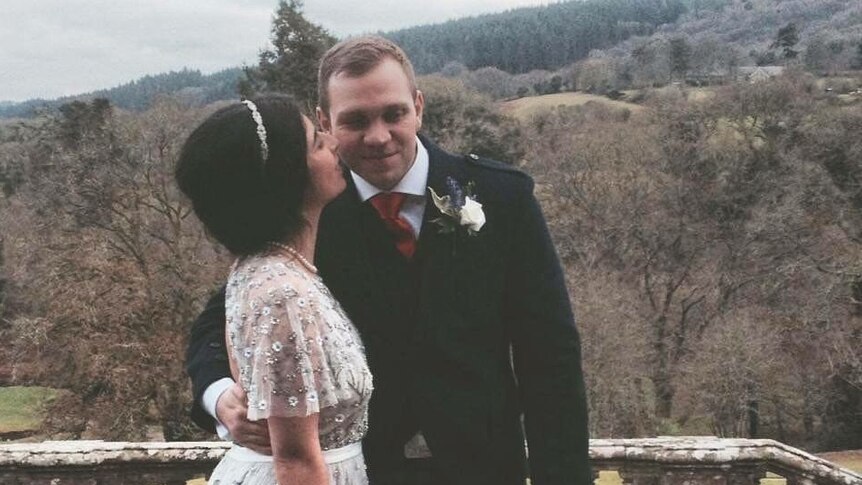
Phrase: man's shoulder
x=482 y=170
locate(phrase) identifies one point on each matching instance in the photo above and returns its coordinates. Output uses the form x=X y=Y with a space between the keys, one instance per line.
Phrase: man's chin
x=383 y=180
x=382 y=160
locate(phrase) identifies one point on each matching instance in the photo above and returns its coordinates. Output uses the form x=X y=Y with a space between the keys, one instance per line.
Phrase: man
x=465 y=329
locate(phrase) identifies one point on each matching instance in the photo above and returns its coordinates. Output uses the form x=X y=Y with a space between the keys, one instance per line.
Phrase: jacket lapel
x=436 y=252
x=440 y=166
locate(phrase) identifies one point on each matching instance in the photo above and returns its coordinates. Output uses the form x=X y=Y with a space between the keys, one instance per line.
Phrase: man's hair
x=244 y=201
x=357 y=56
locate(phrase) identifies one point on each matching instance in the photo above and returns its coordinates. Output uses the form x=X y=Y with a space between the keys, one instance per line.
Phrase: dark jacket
x=463 y=340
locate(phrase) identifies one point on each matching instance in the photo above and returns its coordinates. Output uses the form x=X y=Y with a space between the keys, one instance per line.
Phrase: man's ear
x=419 y=104
x=323 y=120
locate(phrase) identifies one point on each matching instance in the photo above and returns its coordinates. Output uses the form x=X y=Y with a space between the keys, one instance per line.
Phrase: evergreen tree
x=530 y=38
x=80 y=120
x=859 y=55
x=680 y=56
x=291 y=65
x=787 y=38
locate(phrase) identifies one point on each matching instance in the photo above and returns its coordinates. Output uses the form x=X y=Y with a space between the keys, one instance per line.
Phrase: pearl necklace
x=293 y=252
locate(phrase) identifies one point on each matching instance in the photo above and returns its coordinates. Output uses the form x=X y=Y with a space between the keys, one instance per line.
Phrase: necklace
x=293 y=252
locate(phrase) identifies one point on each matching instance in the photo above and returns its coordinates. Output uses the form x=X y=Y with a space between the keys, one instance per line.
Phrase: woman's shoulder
x=269 y=269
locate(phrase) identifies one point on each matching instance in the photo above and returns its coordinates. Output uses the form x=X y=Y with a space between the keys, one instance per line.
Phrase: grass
x=22 y=408
x=851 y=459
x=701 y=94
x=523 y=108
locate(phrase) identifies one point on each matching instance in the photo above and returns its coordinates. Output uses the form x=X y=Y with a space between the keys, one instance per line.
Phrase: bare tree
x=101 y=240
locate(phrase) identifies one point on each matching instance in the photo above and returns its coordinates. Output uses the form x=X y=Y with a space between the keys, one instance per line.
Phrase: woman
x=258 y=176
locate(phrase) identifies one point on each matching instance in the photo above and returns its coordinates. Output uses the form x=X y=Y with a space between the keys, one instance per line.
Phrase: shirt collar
x=414 y=181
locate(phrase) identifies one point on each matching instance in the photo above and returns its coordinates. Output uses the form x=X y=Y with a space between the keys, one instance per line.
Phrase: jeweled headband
x=261 y=130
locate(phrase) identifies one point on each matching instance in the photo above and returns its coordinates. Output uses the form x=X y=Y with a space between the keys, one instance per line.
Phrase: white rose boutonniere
x=458 y=209
x=472 y=215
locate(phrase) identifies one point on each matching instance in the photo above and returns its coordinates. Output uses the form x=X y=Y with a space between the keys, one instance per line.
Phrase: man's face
x=375 y=119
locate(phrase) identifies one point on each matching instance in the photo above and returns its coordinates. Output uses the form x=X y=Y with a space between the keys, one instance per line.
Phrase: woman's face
x=327 y=179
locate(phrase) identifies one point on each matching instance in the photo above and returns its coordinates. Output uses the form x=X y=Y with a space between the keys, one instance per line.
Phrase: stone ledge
x=717 y=453
x=694 y=456
x=93 y=453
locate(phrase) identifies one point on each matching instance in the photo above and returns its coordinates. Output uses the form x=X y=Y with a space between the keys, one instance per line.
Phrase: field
x=851 y=459
x=21 y=409
x=523 y=108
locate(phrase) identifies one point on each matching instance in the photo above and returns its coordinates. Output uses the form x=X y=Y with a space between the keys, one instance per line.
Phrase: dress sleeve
x=288 y=367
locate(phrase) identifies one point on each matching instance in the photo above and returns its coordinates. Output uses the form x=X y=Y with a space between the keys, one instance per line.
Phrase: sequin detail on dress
x=296 y=351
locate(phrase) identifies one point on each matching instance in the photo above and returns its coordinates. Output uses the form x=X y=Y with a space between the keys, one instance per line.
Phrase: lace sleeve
x=287 y=368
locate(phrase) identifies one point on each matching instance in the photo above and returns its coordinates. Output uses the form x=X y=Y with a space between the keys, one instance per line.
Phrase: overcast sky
x=52 y=48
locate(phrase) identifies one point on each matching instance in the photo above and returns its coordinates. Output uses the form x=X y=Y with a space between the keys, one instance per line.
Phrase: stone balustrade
x=713 y=461
x=107 y=463
x=651 y=461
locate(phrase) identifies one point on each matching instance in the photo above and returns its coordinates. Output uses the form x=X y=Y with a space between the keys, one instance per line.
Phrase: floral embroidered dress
x=297 y=354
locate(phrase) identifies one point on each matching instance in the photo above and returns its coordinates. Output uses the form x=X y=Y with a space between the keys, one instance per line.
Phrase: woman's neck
x=304 y=242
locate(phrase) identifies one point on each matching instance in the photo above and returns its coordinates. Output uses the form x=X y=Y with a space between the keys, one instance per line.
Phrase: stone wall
x=653 y=461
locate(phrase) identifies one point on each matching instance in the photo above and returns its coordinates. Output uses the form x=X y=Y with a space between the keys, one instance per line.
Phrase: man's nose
x=377 y=134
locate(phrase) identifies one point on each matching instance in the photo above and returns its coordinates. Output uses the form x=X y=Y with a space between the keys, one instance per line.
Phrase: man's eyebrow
x=361 y=113
x=349 y=117
x=350 y=114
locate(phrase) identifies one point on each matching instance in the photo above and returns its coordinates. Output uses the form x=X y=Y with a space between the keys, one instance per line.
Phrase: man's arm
x=206 y=356
x=547 y=353
x=208 y=366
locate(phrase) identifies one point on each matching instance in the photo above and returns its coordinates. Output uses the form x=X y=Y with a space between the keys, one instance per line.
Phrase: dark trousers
x=414 y=471
x=422 y=471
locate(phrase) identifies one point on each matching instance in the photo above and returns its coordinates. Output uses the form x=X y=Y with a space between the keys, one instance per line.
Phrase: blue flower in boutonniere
x=458 y=209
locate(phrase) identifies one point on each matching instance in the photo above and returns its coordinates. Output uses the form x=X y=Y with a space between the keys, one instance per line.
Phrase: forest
x=711 y=238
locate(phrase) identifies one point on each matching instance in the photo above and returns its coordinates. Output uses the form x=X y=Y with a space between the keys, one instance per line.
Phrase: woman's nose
x=331 y=141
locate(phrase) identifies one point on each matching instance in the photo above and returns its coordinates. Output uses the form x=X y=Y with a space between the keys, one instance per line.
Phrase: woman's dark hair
x=243 y=200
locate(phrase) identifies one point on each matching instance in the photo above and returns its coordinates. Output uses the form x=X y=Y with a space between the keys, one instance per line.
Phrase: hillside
x=524 y=39
x=628 y=41
x=524 y=108
x=190 y=85
x=517 y=40
x=829 y=32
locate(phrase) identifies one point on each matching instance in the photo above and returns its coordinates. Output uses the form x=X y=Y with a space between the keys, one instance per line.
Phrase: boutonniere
x=458 y=209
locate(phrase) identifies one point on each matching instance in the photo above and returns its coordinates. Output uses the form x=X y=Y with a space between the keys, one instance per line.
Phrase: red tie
x=388 y=206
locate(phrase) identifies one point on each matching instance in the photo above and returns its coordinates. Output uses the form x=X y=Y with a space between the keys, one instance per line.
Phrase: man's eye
x=394 y=115
x=354 y=123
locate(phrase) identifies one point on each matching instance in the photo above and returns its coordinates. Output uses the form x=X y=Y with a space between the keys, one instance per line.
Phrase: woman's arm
x=296 y=451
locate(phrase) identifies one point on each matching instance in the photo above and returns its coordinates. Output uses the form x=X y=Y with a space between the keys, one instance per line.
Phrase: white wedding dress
x=297 y=354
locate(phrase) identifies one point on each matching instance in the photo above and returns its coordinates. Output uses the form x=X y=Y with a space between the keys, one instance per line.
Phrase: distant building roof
x=759 y=73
